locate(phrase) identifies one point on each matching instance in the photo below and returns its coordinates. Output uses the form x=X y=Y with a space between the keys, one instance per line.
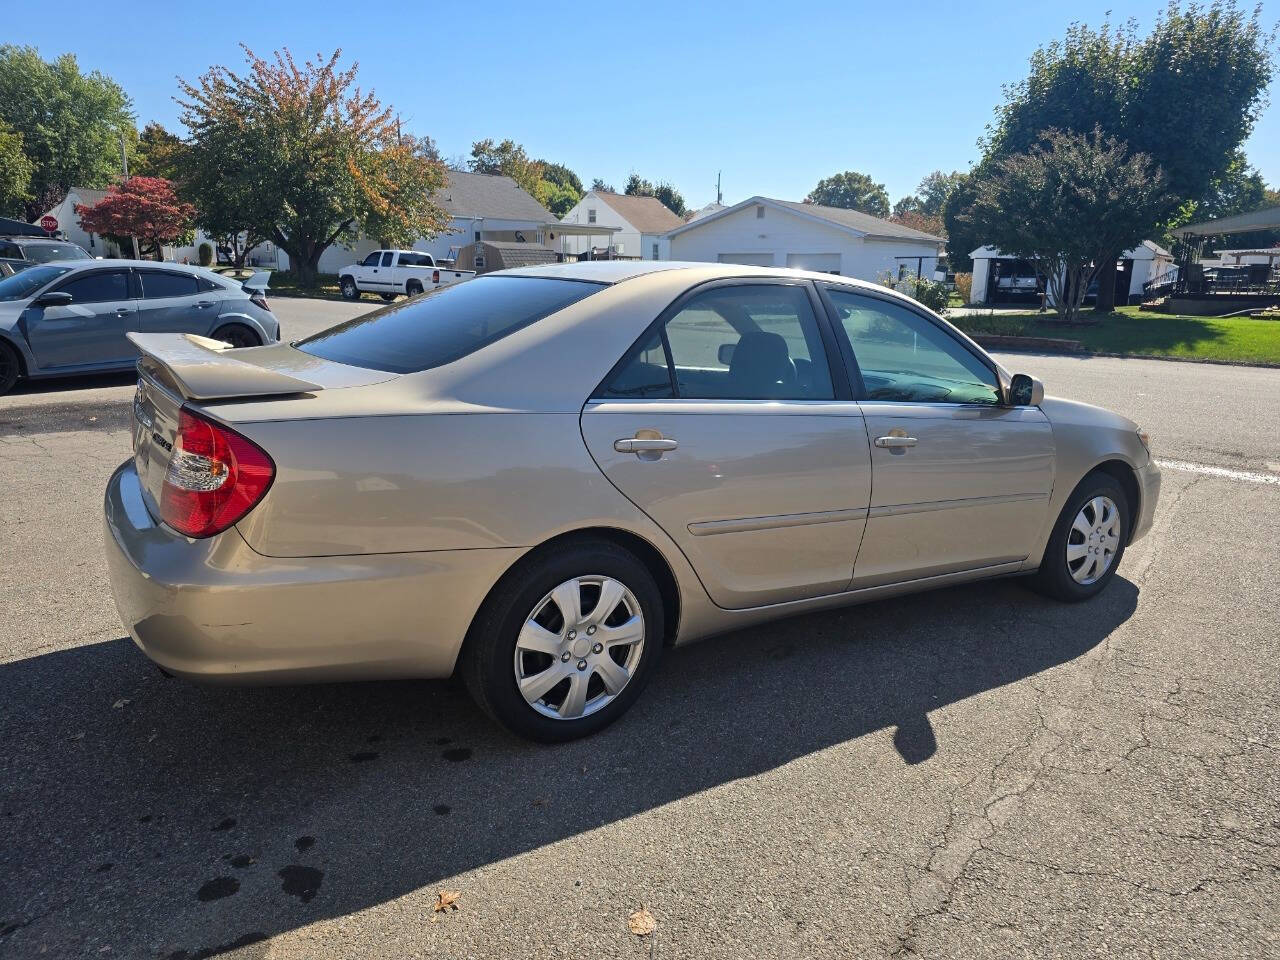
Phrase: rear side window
x=157 y=284
x=446 y=324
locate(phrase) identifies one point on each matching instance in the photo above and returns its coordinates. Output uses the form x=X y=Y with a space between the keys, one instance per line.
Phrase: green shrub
x=204 y=253
x=928 y=292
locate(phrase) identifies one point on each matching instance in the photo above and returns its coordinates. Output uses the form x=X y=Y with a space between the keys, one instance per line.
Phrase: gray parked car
x=541 y=477
x=73 y=317
x=20 y=252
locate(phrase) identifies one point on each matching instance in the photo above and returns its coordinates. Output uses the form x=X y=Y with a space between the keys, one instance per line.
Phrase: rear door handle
x=894 y=443
x=637 y=445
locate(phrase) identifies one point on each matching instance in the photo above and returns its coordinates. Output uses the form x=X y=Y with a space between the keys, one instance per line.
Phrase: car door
x=732 y=428
x=960 y=480
x=382 y=275
x=170 y=301
x=90 y=329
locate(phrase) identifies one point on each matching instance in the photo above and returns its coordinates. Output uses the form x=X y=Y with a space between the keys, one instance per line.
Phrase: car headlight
x=1145 y=439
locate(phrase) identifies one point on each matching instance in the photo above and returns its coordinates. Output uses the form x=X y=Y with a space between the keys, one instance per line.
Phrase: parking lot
x=973 y=772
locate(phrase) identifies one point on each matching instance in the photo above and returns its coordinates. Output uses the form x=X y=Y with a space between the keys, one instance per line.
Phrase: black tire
x=349 y=290
x=238 y=335
x=488 y=658
x=1054 y=578
x=413 y=288
x=10 y=367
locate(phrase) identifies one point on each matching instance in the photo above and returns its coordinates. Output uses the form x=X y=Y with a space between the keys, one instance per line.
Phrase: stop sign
x=49 y=223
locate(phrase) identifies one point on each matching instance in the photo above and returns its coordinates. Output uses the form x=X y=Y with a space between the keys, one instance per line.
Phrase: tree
x=307 y=157
x=1065 y=205
x=663 y=191
x=931 y=195
x=509 y=159
x=159 y=153
x=15 y=173
x=556 y=198
x=561 y=176
x=851 y=191
x=600 y=186
x=1188 y=95
x=921 y=221
x=141 y=207
x=71 y=123
x=962 y=237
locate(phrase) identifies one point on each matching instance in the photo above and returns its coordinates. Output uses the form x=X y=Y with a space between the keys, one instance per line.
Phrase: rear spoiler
x=203 y=369
x=258 y=282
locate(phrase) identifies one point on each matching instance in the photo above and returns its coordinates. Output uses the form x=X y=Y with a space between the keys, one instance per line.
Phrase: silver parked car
x=74 y=317
x=542 y=477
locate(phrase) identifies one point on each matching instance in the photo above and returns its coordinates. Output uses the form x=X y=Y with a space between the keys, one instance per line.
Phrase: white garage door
x=750 y=259
x=822 y=262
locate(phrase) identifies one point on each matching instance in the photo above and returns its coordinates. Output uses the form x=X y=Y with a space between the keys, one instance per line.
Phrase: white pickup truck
x=392 y=272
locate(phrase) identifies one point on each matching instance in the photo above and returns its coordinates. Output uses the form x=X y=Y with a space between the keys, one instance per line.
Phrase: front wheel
x=1087 y=542
x=566 y=643
x=10 y=369
x=347 y=287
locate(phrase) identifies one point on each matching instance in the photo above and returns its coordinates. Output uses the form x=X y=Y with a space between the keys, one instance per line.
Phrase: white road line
x=1245 y=476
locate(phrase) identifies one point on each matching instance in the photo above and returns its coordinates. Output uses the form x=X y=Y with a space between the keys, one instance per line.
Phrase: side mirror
x=58 y=298
x=725 y=353
x=1025 y=391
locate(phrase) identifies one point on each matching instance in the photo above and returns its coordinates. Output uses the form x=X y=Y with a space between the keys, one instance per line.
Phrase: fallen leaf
x=446 y=900
x=642 y=922
x=119 y=704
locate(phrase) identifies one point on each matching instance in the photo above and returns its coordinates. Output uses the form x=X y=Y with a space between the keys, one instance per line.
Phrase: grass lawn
x=285 y=284
x=1132 y=332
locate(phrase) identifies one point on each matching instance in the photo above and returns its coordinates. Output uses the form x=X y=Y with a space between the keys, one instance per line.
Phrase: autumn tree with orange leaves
x=307 y=158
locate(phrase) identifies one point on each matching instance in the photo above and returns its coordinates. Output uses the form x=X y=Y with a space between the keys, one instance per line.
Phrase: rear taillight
x=215 y=477
x=259 y=300
x=435 y=276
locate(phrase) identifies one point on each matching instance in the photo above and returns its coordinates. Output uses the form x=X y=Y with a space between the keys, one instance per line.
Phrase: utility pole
x=124 y=162
x=719 y=195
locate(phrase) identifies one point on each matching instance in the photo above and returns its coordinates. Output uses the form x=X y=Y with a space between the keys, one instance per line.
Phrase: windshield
x=46 y=252
x=443 y=326
x=22 y=285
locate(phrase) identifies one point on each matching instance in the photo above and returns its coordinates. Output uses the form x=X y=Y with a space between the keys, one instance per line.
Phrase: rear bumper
x=1149 y=481
x=215 y=610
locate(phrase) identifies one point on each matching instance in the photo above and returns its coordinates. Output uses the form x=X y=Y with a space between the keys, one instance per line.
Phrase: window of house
x=591 y=215
x=737 y=342
x=655 y=251
x=759 y=212
x=906 y=358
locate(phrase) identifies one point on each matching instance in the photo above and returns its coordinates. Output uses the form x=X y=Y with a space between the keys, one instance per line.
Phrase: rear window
x=446 y=324
x=48 y=252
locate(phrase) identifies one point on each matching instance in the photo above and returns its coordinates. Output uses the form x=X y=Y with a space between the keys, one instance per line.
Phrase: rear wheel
x=1087 y=542
x=238 y=335
x=566 y=643
x=348 y=288
x=413 y=288
x=10 y=368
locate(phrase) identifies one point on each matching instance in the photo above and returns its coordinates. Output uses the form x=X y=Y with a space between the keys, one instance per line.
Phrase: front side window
x=446 y=324
x=739 y=342
x=159 y=284
x=10 y=251
x=24 y=283
x=907 y=358
x=101 y=287
x=371 y=260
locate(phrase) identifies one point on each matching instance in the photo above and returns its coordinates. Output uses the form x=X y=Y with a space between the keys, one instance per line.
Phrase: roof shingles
x=490 y=196
x=646 y=214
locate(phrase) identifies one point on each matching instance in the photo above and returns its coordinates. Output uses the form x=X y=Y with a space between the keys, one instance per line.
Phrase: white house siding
x=781 y=238
x=629 y=240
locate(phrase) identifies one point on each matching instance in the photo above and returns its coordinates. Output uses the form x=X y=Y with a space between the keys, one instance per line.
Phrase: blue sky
x=774 y=95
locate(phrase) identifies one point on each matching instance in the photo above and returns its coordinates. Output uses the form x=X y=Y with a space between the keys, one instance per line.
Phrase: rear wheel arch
x=644 y=551
x=241 y=328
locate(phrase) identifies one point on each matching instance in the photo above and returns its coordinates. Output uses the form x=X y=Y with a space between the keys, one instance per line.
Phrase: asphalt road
x=974 y=772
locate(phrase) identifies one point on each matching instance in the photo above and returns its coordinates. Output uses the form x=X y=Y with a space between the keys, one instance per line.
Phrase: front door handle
x=205 y=304
x=123 y=311
x=896 y=442
x=644 y=445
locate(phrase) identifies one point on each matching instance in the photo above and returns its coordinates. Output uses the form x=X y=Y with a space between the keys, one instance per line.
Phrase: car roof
x=23 y=238
x=618 y=271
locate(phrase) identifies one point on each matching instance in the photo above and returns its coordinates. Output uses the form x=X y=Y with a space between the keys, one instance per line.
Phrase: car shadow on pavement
x=122 y=378
x=161 y=818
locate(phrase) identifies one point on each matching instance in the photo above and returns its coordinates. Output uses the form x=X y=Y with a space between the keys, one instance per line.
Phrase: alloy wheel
x=1093 y=540
x=579 y=647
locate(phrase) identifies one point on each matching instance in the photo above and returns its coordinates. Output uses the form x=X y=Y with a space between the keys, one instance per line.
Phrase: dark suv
x=22 y=252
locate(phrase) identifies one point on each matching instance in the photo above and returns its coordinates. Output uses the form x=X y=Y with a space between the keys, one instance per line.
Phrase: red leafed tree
x=142 y=207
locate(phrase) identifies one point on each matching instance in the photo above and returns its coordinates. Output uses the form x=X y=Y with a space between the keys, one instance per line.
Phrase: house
x=998 y=278
x=68 y=221
x=637 y=224
x=715 y=206
x=780 y=233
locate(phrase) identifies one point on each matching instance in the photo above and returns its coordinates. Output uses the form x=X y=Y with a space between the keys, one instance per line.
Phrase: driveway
x=972 y=772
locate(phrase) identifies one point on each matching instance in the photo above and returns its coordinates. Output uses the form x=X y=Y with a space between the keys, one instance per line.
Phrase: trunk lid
x=184 y=369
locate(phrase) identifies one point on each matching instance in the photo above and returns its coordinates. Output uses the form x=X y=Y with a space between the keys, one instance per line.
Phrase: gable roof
x=646 y=214
x=88 y=196
x=853 y=221
x=489 y=195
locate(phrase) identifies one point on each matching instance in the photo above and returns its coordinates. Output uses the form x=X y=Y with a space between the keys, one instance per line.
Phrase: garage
x=750 y=259
x=819 y=262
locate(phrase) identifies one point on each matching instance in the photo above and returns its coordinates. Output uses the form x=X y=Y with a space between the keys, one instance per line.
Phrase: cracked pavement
x=975 y=772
